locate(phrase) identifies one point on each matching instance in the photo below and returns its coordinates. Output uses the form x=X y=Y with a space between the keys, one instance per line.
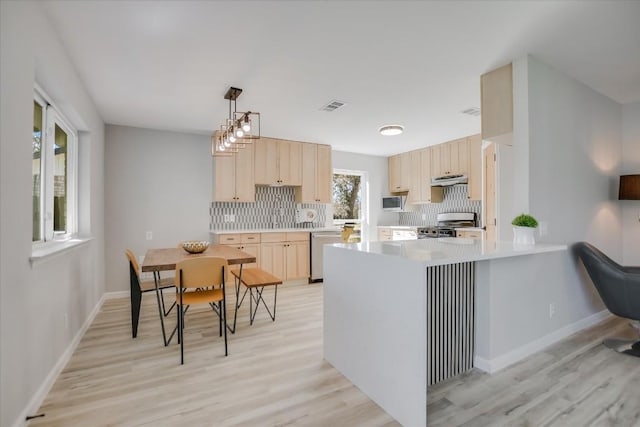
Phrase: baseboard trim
x=492 y=366
x=117 y=294
x=48 y=382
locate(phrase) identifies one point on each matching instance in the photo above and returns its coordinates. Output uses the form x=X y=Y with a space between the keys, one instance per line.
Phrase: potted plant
x=524 y=227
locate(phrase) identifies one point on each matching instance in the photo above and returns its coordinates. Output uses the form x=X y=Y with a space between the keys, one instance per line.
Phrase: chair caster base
x=629 y=347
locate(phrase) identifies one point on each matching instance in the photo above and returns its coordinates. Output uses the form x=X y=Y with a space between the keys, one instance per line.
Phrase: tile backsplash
x=275 y=207
x=455 y=200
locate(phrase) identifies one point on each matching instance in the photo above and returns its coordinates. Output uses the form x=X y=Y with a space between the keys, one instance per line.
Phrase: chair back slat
x=200 y=272
x=132 y=259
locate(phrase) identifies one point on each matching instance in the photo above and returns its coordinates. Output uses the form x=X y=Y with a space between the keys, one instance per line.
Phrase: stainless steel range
x=447 y=223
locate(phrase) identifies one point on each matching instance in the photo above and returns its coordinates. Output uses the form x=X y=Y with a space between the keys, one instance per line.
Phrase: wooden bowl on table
x=195 y=246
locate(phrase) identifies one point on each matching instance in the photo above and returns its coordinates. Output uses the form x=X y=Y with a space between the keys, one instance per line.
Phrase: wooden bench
x=256 y=279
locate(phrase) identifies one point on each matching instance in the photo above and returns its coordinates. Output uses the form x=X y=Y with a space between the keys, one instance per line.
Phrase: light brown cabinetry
x=247 y=242
x=420 y=189
x=278 y=162
x=234 y=177
x=450 y=158
x=496 y=94
x=399 y=174
x=474 y=187
x=385 y=234
x=285 y=255
x=469 y=234
x=317 y=174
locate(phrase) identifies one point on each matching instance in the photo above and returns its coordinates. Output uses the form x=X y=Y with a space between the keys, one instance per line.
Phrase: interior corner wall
x=34 y=300
x=157 y=181
x=630 y=165
x=575 y=149
x=378 y=170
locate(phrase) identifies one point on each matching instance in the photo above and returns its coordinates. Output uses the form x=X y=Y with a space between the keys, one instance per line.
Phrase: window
x=54 y=166
x=348 y=200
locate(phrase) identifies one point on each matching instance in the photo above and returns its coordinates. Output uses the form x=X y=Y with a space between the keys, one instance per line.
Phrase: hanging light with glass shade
x=237 y=131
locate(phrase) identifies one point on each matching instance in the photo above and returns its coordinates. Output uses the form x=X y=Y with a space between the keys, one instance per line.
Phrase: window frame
x=364 y=196
x=52 y=116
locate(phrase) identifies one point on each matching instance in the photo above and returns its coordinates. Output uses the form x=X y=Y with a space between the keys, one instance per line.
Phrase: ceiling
x=167 y=65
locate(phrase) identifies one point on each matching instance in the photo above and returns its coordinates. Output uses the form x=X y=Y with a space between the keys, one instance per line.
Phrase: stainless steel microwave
x=392 y=203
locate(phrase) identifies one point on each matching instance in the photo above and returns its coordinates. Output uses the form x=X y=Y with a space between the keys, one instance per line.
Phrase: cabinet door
x=289 y=162
x=445 y=159
x=266 y=161
x=307 y=192
x=253 y=249
x=324 y=174
x=272 y=258
x=436 y=169
x=297 y=260
x=425 y=174
x=460 y=163
x=244 y=176
x=474 y=144
x=394 y=174
x=415 y=177
x=496 y=98
x=405 y=171
x=224 y=179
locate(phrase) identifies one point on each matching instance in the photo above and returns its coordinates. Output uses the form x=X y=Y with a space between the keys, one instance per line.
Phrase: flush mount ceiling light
x=390 y=130
x=240 y=129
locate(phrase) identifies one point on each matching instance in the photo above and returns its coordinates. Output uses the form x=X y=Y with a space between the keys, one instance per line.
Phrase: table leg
x=156 y=280
x=237 y=283
x=136 y=298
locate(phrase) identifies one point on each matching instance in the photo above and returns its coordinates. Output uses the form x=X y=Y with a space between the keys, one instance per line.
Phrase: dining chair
x=138 y=287
x=196 y=279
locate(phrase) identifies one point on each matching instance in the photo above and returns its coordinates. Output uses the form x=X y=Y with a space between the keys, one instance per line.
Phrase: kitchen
x=146 y=177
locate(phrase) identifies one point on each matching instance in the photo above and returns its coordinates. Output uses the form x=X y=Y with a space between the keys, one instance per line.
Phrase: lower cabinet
x=285 y=255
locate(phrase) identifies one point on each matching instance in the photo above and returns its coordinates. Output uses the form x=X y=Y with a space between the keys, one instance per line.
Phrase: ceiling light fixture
x=235 y=133
x=390 y=130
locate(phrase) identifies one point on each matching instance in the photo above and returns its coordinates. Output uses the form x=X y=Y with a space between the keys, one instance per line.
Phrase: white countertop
x=276 y=230
x=469 y=229
x=448 y=250
x=400 y=227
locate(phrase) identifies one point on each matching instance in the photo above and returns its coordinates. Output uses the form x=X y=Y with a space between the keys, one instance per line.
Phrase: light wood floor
x=275 y=376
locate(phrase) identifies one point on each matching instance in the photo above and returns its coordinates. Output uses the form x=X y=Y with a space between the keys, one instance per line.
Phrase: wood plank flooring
x=275 y=376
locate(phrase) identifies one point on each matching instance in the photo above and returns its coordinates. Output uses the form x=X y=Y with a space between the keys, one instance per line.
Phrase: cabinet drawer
x=469 y=234
x=273 y=237
x=229 y=239
x=250 y=238
x=298 y=237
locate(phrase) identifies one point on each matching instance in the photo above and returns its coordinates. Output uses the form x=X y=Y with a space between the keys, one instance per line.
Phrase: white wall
x=157 y=181
x=630 y=165
x=572 y=146
x=34 y=299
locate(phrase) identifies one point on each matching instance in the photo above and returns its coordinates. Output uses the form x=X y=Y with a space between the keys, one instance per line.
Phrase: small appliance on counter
x=306 y=215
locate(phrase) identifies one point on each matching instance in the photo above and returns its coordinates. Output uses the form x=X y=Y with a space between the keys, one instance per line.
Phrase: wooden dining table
x=157 y=260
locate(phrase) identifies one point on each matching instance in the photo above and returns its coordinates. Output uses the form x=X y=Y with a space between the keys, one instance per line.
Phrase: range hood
x=443 y=181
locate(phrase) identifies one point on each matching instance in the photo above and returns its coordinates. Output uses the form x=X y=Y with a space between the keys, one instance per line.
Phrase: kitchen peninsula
x=399 y=316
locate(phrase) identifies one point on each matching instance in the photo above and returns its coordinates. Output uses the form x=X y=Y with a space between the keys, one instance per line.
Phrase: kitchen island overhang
x=377 y=320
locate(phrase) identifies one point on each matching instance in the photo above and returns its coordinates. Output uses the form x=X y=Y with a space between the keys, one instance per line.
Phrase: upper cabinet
x=474 y=187
x=496 y=93
x=450 y=158
x=233 y=177
x=317 y=174
x=420 y=189
x=411 y=172
x=399 y=173
x=278 y=162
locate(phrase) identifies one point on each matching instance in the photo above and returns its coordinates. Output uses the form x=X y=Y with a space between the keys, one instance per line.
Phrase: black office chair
x=619 y=288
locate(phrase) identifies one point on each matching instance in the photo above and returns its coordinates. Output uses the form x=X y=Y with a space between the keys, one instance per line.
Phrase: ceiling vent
x=333 y=106
x=473 y=111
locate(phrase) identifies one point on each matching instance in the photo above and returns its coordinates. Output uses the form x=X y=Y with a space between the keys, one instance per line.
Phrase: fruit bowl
x=195 y=246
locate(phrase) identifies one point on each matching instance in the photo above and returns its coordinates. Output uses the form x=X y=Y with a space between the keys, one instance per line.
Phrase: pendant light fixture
x=238 y=130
